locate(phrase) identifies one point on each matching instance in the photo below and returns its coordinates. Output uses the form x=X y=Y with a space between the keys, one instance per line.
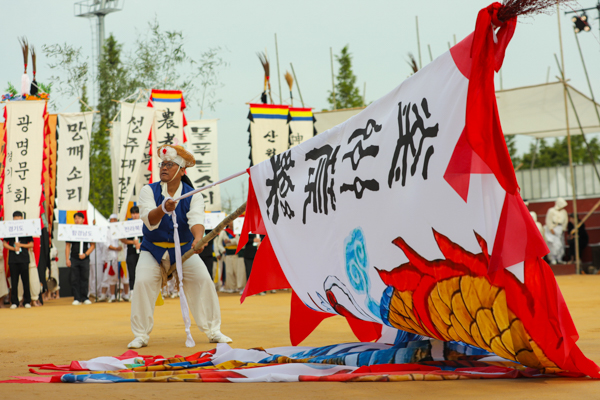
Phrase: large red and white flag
x=408 y=215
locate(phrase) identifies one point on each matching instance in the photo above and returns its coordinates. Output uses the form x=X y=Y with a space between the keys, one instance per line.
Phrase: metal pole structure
x=587 y=145
x=537 y=141
x=278 y=74
x=430 y=55
x=332 y=80
x=586 y=74
x=419 y=42
x=575 y=216
x=101 y=32
x=298 y=86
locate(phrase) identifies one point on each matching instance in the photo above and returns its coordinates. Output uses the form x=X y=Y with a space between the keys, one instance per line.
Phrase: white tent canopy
x=539 y=111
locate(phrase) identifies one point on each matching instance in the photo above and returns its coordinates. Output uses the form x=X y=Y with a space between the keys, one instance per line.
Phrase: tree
x=511 y=145
x=347 y=94
x=557 y=153
x=158 y=61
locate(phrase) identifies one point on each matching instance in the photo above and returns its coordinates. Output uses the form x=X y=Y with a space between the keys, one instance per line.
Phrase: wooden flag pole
x=278 y=73
x=562 y=57
x=230 y=218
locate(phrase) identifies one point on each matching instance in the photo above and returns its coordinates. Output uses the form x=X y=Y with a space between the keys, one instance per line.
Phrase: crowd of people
x=97 y=270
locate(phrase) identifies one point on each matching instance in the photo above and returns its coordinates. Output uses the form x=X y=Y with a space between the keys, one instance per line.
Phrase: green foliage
x=11 y=89
x=511 y=145
x=158 y=61
x=71 y=69
x=45 y=88
x=347 y=94
x=556 y=154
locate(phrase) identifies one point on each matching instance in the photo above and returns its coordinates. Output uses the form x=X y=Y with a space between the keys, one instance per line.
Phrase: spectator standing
x=78 y=259
x=18 y=262
x=133 y=249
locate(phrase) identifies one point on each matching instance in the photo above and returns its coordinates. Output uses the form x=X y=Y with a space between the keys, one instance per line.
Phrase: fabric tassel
x=25 y=84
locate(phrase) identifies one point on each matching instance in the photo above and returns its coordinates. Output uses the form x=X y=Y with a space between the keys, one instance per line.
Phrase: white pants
x=197 y=285
x=54 y=274
x=96 y=271
x=555 y=243
x=3 y=285
x=235 y=273
x=109 y=279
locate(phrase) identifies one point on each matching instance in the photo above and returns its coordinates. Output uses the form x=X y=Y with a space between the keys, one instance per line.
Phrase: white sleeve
x=196 y=214
x=146 y=204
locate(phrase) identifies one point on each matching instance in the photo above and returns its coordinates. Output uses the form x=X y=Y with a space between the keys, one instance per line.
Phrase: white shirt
x=146 y=204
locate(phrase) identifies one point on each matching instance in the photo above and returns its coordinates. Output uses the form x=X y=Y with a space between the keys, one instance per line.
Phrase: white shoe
x=137 y=343
x=173 y=295
x=13 y=307
x=75 y=303
x=219 y=338
x=101 y=299
x=222 y=289
x=273 y=291
x=125 y=298
x=27 y=305
x=111 y=299
x=87 y=302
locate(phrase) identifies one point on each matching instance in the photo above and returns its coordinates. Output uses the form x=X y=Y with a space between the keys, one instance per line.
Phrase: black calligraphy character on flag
x=136 y=124
x=24 y=123
x=167 y=120
x=270 y=136
x=201 y=135
x=168 y=139
x=73 y=193
x=21 y=195
x=132 y=143
x=22 y=172
x=280 y=185
x=74 y=174
x=357 y=154
x=24 y=145
x=73 y=128
x=320 y=183
x=270 y=152
x=76 y=151
x=406 y=140
x=203 y=181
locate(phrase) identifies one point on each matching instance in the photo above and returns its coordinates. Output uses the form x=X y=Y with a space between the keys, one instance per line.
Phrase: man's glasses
x=167 y=165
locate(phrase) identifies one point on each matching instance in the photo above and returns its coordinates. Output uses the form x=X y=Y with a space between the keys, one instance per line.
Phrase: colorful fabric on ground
x=409 y=216
x=349 y=362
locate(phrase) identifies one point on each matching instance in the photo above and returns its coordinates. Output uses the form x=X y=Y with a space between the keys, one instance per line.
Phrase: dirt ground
x=59 y=333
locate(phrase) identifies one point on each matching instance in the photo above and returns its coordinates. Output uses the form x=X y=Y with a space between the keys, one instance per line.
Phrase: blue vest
x=165 y=231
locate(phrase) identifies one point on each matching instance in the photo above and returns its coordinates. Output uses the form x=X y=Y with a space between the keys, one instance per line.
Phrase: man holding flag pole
x=170 y=228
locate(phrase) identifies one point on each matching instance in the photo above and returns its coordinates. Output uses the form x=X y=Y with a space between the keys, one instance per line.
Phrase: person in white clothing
x=556 y=223
x=113 y=267
x=97 y=273
x=158 y=249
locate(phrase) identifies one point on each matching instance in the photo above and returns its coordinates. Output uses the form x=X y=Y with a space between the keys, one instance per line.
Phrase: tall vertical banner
x=269 y=133
x=22 y=188
x=135 y=125
x=73 y=158
x=169 y=121
x=302 y=125
x=202 y=143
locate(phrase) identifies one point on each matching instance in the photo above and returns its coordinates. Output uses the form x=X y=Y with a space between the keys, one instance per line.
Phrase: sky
x=380 y=34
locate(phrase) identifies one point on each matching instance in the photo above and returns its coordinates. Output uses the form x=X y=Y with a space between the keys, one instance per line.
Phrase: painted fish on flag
x=408 y=216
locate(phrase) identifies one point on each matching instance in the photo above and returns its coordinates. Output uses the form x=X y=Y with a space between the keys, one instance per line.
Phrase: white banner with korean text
x=167 y=129
x=202 y=143
x=73 y=161
x=136 y=123
x=269 y=131
x=82 y=233
x=22 y=189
